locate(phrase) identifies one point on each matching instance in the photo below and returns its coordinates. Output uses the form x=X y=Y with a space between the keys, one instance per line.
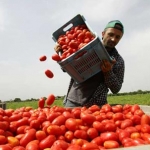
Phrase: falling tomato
x=50 y=99
x=49 y=73
x=43 y=58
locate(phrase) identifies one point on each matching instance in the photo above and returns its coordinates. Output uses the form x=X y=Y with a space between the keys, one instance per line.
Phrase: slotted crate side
x=85 y=66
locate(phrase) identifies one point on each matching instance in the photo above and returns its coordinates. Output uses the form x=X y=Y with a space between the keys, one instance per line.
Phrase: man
x=94 y=90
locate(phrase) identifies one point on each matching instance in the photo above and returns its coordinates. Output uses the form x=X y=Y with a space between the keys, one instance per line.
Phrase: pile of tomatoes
x=58 y=128
x=73 y=40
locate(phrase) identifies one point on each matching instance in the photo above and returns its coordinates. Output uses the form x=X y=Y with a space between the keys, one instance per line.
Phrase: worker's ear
x=103 y=34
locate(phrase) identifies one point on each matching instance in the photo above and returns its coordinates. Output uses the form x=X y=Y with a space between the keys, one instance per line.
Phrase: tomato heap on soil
x=58 y=128
x=73 y=40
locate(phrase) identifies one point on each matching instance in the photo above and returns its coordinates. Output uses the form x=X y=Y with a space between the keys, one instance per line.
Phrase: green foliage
x=141 y=99
x=17 y=100
x=15 y=105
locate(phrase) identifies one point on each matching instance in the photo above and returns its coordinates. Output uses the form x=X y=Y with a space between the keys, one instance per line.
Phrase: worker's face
x=111 y=37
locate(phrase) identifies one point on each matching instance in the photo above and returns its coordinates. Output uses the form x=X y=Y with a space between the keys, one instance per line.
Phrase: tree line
x=61 y=97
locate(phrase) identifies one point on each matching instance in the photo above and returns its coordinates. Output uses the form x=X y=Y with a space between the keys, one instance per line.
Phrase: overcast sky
x=26 y=28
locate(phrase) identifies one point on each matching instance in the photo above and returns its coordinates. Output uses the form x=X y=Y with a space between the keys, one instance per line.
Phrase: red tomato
x=87 y=40
x=54 y=130
x=53 y=115
x=136 y=119
x=83 y=127
x=146 y=137
x=50 y=99
x=70 y=36
x=33 y=145
x=135 y=135
x=81 y=45
x=36 y=124
x=74 y=147
x=76 y=112
x=69 y=135
x=94 y=108
x=145 y=119
x=61 y=42
x=138 y=141
x=106 y=108
x=90 y=146
x=19 y=136
x=79 y=122
x=126 y=123
x=88 y=34
x=26 y=114
x=41 y=103
x=49 y=74
x=134 y=108
x=28 y=136
x=43 y=58
x=61 y=143
x=23 y=121
x=109 y=115
x=68 y=114
x=109 y=136
x=145 y=128
x=5 y=147
x=15 y=117
x=138 y=127
x=127 y=107
x=40 y=135
x=4 y=125
x=88 y=118
x=13 y=141
x=56 y=57
x=126 y=140
x=18 y=148
x=98 y=126
x=131 y=129
x=71 y=124
x=129 y=143
x=80 y=134
x=60 y=120
x=47 y=142
x=111 y=144
x=110 y=126
x=3 y=140
x=123 y=134
x=128 y=115
x=118 y=123
x=63 y=47
x=81 y=35
x=8 y=112
x=2 y=132
x=139 y=112
x=79 y=142
x=118 y=116
x=63 y=129
x=92 y=133
x=98 y=140
x=73 y=44
x=117 y=108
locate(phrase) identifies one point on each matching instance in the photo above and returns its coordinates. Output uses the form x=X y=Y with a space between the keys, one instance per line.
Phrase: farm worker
x=95 y=89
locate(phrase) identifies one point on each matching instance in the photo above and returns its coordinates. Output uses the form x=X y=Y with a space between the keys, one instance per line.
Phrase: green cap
x=115 y=24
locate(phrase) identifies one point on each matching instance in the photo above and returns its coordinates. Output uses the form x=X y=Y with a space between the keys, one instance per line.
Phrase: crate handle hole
x=68 y=27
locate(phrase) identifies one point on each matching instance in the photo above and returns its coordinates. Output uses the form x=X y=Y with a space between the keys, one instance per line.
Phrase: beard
x=110 y=44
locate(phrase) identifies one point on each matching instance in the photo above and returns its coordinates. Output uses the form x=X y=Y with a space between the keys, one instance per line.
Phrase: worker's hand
x=58 y=48
x=106 y=66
